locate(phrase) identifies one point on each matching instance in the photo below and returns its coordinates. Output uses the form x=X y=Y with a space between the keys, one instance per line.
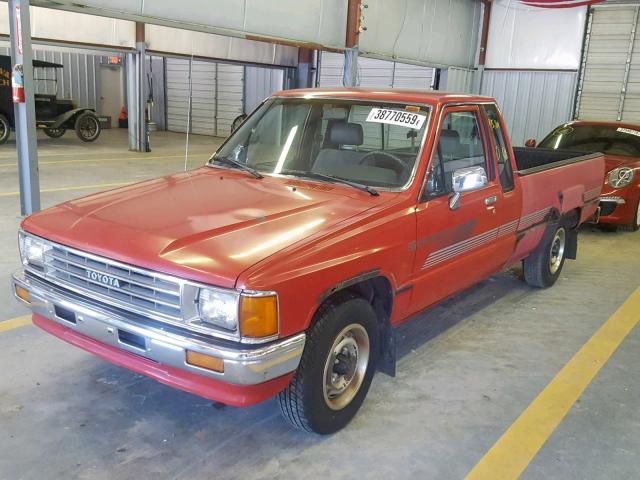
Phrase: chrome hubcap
x=557 y=250
x=346 y=366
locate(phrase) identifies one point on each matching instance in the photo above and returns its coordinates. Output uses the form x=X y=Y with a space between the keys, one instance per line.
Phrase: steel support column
x=25 y=113
x=351 y=53
x=135 y=93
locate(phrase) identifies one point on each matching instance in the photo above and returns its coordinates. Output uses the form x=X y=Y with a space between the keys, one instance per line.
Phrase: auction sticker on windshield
x=396 y=117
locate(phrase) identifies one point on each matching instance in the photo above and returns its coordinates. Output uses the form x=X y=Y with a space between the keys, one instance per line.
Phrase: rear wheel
x=87 y=127
x=542 y=268
x=635 y=225
x=336 y=368
x=5 y=129
x=54 y=132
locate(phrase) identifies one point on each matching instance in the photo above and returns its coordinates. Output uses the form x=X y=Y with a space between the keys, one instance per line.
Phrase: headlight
x=620 y=177
x=219 y=308
x=251 y=315
x=32 y=250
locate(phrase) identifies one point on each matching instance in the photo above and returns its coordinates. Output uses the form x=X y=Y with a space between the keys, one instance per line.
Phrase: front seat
x=330 y=160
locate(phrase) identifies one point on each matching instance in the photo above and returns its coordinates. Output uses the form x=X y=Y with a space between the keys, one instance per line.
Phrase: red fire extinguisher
x=17 y=84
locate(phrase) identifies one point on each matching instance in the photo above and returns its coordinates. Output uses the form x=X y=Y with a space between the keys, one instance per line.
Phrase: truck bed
x=532 y=160
x=554 y=181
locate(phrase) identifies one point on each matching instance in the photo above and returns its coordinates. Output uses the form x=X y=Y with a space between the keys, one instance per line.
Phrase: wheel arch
x=377 y=289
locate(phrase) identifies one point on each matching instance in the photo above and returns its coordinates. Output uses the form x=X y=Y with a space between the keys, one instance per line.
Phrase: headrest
x=343 y=133
x=450 y=142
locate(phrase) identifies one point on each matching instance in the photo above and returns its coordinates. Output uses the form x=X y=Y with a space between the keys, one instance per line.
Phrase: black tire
x=54 y=132
x=87 y=127
x=635 y=225
x=305 y=403
x=542 y=268
x=5 y=129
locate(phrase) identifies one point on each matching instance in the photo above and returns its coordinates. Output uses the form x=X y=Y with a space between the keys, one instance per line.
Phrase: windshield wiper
x=331 y=178
x=237 y=164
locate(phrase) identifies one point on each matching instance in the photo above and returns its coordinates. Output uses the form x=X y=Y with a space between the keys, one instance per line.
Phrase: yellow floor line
x=515 y=449
x=18 y=322
x=66 y=189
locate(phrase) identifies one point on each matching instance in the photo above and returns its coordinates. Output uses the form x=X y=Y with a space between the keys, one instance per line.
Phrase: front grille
x=128 y=287
x=607 y=208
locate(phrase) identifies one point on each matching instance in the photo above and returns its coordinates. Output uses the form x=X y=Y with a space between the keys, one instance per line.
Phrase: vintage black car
x=53 y=115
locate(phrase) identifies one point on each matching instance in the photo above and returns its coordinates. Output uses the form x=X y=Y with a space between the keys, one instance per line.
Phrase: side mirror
x=466 y=180
x=469 y=179
x=530 y=143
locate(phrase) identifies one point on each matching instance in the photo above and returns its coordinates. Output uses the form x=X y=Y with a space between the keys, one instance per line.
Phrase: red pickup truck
x=282 y=265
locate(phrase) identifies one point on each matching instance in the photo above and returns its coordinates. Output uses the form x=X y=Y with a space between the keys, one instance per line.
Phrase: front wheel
x=542 y=268
x=5 y=129
x=54 y=132
x=634 y=226
x=336 y=368
x=87 y=127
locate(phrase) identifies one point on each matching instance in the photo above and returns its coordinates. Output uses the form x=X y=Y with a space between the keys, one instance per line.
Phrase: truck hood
x=207 y=225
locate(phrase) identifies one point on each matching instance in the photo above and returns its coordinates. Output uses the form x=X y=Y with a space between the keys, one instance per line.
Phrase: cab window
x=500 y=147
x=460 y=146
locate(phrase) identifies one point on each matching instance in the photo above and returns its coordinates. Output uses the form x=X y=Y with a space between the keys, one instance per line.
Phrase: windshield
x=368 y=143
x=594 y=138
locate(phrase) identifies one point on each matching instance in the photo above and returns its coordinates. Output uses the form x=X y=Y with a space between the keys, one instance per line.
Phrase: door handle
x=490 y=200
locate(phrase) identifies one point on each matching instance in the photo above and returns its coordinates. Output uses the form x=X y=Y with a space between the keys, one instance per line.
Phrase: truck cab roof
x=386 y=94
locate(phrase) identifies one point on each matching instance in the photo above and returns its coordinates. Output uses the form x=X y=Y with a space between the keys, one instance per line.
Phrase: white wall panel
x=532 y=102
x=375 y=73
x=320 y=22
x=429 y=32
x=75 y=27
x=523 y=37
x=200 y=44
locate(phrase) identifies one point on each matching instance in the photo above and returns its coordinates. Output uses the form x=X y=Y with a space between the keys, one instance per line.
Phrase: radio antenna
x=186 y=146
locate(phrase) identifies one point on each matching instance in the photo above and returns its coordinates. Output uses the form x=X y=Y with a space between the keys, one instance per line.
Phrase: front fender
x=68 y=116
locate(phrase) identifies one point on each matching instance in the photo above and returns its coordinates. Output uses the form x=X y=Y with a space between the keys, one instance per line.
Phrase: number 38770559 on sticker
x=396 y=117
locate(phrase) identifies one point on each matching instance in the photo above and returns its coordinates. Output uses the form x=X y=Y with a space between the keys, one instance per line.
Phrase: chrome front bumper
x=165 y=345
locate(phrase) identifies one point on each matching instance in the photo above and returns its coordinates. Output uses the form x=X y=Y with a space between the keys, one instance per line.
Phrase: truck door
x=459 y=244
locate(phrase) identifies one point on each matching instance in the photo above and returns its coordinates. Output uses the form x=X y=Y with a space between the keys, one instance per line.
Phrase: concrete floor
x=467 y=369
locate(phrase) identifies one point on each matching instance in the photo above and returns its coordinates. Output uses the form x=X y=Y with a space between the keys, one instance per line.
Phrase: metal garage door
x=217 y=91
x=375 y=73
x=259 y=83
x=609 y=85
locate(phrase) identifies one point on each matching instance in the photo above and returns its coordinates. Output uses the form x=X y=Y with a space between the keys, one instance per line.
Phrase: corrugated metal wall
x=375 y=73
x=458 y=80
x=78 y=80
x=532 y=102
x=259 y=83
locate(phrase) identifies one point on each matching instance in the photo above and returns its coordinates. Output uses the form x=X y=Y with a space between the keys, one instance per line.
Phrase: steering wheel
x=396 y=163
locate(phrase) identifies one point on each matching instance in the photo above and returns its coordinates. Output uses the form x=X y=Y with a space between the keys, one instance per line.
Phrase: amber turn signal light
x=23 y=293
x=258 y=316
x=205 y=361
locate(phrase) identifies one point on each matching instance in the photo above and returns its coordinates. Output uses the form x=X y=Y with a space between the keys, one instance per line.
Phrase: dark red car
x=620 y=143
